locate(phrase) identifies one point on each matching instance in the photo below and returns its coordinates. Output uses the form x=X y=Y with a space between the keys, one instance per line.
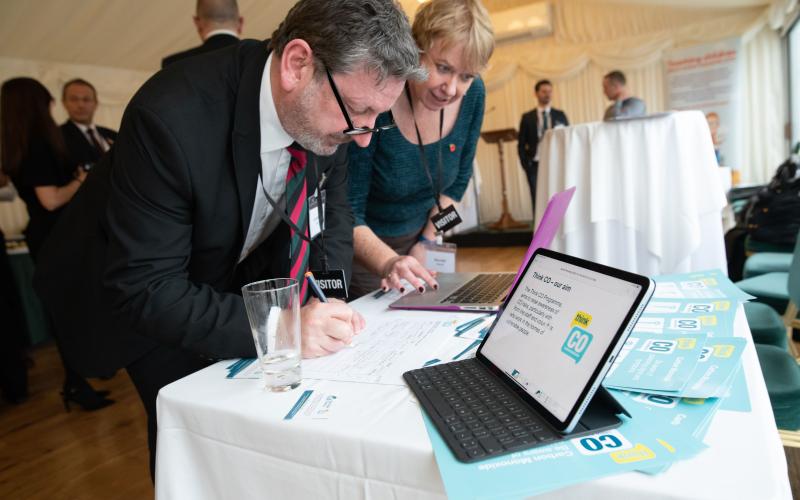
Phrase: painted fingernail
x=385 y=289
x=421 y=289
x=402 y=290
x=436 y=286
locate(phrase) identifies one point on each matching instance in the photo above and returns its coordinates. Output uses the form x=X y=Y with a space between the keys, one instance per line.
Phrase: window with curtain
x=794 y=81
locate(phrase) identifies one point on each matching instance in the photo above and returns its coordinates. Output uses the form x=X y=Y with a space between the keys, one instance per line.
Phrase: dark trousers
x=156 y=369
x=165 y=364
x=531 y=170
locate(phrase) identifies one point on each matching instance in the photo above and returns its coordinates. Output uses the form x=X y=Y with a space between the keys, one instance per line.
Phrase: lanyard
x=285 y=218
x=437 y=188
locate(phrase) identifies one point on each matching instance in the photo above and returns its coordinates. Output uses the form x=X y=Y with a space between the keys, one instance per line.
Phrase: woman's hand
x=408 y=267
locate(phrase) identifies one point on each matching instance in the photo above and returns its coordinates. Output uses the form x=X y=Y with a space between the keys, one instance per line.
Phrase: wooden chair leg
x=790 y=316
x=790 y=439
x=791 y=321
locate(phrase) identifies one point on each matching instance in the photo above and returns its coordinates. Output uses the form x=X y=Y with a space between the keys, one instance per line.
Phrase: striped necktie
x=92 y=133
x=298 y=213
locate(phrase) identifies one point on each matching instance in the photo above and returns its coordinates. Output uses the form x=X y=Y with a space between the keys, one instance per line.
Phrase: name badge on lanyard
x=332 y=282
x=446 y=219
x=316 y=203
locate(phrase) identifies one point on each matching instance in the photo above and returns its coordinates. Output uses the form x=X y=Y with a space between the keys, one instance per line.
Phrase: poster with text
x=707 y=78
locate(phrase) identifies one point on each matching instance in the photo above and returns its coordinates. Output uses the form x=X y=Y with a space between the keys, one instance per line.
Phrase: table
x=648 y=196
x=222 y=438
x=38 y=328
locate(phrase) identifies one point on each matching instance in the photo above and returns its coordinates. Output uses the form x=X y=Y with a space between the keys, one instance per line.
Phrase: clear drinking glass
x=273 y=308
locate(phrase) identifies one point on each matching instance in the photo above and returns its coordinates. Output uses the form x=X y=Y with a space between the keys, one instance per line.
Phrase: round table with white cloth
x=648 y=197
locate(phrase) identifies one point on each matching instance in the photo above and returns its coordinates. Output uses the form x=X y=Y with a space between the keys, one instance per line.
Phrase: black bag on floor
x=774 y=214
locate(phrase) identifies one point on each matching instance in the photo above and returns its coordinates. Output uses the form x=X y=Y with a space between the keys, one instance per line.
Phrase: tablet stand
x=603 y=413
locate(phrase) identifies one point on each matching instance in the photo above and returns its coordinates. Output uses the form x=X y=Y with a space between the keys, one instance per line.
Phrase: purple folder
x=548 y=226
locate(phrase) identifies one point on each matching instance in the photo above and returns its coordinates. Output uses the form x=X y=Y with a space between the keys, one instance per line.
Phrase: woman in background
x=394 y=189
x=33 y=155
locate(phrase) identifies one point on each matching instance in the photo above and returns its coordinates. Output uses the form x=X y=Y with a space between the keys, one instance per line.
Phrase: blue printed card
x=716 y=369
x=656 y=362
x=711 y=284
x=632 y=446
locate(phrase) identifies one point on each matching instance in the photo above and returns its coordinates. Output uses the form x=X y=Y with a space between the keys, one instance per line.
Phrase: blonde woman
x=396 y=185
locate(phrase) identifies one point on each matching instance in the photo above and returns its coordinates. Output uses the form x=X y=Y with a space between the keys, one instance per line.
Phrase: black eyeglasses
x=351 y=130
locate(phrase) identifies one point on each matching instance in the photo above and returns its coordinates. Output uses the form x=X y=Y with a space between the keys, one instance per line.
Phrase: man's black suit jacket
x=528 y=140
x=171 y=217
x=211 y=43
x=80 y=150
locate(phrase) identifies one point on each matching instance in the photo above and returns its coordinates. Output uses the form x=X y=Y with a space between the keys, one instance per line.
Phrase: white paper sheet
x=381 y=353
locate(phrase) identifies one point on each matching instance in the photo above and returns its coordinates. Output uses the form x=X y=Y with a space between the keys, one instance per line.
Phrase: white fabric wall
x=589 y=39
x=592 y=39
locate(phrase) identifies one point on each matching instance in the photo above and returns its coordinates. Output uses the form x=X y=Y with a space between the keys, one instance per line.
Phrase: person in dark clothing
x=33 y=155
x=218 y=24
x=86 y=142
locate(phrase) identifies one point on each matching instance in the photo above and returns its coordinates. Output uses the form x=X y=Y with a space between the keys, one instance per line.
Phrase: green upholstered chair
x=754 y=246
x=782 y=376
x=772 y=288
x=766 y=262
x=766 y=325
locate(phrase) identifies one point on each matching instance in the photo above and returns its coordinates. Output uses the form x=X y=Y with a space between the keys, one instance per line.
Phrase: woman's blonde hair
x=452 y=22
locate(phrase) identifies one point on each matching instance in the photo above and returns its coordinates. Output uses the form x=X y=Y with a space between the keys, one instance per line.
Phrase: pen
x=315 y=289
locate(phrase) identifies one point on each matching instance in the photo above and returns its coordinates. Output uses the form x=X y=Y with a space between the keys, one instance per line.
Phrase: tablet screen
x=556 y=328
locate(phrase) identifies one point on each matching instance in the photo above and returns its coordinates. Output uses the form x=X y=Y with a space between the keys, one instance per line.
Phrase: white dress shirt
x=540 y=124
x=274 y=165
x=221 y=31
x=88 y=131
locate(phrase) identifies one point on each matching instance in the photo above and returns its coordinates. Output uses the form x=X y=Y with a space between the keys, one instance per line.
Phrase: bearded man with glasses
x=195 y=200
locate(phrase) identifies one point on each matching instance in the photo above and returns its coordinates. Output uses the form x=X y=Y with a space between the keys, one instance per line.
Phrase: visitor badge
x=333 y=282
x=446 y=219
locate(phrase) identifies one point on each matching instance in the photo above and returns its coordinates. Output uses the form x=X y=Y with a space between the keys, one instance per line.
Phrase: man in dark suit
x=85 y=141
x=532 y=128
x=218 y=24
x=195 y=200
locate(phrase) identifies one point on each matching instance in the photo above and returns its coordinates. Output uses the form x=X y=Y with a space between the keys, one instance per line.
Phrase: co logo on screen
x=576 y=343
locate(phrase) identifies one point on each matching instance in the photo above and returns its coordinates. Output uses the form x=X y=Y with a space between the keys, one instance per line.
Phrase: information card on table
x=535 y=471
x=656 y=362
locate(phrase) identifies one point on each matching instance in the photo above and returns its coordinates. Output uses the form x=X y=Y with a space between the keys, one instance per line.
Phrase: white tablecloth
x=648 y=196
x=226 y=439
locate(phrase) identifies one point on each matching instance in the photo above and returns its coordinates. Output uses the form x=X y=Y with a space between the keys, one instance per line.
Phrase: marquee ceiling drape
x=117 y=45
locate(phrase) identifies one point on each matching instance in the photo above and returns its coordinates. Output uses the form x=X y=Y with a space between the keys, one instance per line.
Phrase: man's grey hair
x=218 y=11
x=349 y=35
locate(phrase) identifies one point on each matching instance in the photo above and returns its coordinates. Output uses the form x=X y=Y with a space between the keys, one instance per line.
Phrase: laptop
x=538 y=368
x=486 y=291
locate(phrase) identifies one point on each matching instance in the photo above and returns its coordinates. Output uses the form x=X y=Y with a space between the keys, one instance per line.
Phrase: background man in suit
x=194 y=199
x=218 y=24
x=532 y=127
x=625 y=105
x=85 y=141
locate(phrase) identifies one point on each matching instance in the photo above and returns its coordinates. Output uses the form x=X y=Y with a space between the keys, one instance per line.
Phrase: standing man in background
x=218 y=23
x=85 y=141
x=625 y=105
x=532 y=127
